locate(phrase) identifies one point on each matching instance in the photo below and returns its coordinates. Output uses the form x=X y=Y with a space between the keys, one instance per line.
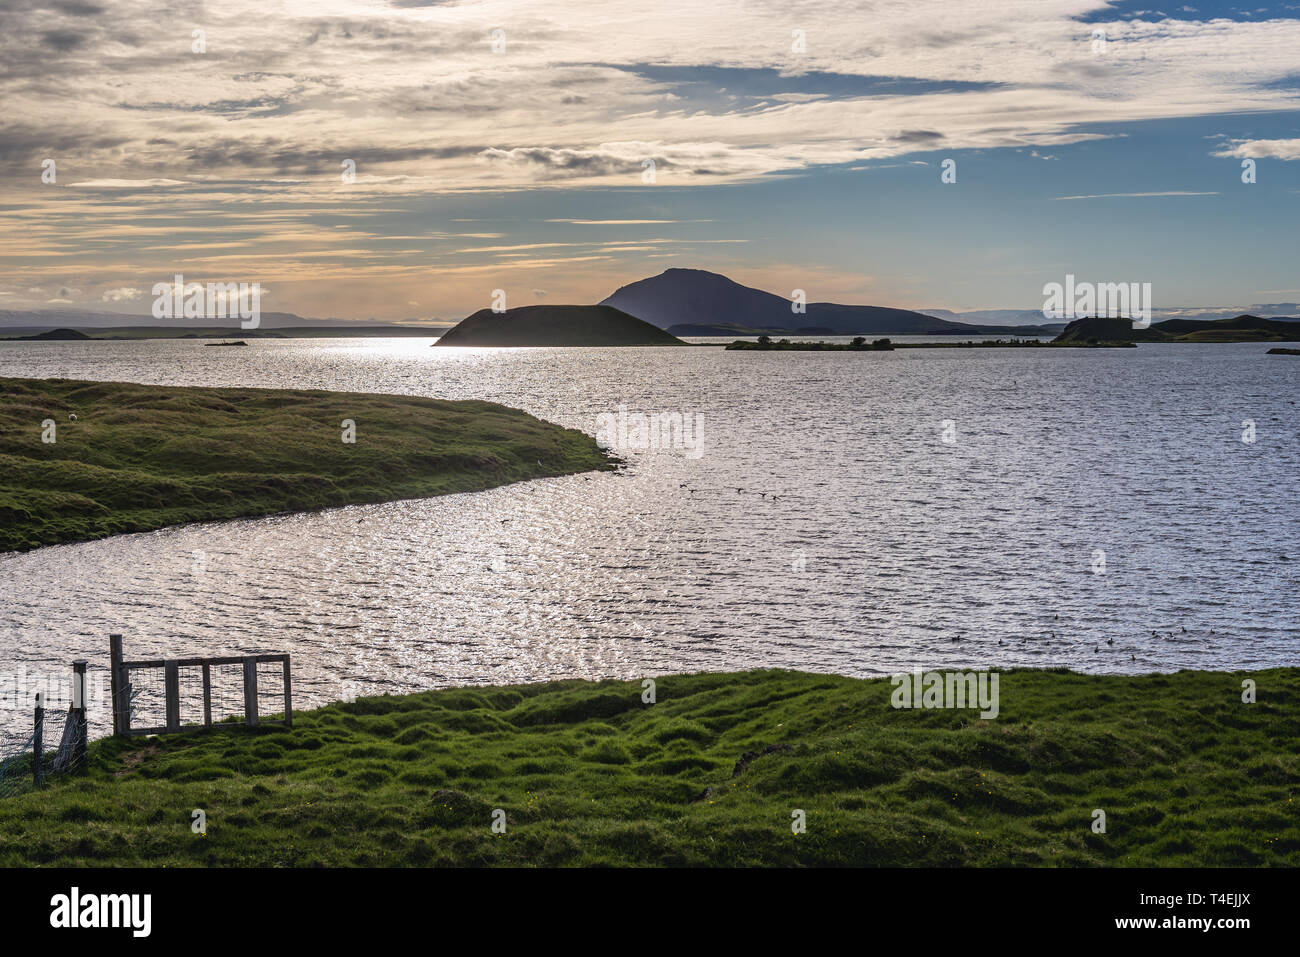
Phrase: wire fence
x=149 y=697
x=16 y=770
x=56 y=746
x=225 y=701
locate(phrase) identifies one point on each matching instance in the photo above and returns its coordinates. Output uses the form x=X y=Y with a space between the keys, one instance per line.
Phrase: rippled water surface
x=826 y=525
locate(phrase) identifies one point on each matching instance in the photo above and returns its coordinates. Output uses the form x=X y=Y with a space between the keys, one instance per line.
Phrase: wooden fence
x=72 y=752
x=171 y=670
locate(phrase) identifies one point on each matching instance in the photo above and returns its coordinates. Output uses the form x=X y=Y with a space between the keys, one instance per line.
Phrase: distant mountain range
x=109 y=333
x=696 y=302
x=37 y=320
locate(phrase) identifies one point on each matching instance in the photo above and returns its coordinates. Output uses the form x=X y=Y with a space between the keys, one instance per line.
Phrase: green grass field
x=710 y=774
x=142 y=457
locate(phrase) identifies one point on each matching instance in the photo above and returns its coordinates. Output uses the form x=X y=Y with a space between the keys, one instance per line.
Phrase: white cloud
x=1262 y=149
x=127 y=183
x=418 y=96
x=1170 y=192
x=236 y=167
x=122 y=294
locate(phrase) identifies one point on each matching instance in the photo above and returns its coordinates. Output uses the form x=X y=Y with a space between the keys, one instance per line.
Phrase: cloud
x=414 y=90
x=548 y=161
x=127 y=183
x=621 y=222
x=121 y=294
x=1262 y=149
x=1171 y=192
x=63 y=39
x=238 y=167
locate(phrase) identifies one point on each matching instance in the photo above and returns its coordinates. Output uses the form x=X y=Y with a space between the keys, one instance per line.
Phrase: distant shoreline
x=129 y=333
x=888 y=345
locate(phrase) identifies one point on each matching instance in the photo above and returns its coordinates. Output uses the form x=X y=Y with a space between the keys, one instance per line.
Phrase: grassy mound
x=586 y=773
x=141 y=457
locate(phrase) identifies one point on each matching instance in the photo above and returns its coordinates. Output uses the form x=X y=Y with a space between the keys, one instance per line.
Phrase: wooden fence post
x=172 y=685
x=250 y=690
x=81 y=741
x=38 y=741
x=207 y=696
x=118 y=688
x=288 y=695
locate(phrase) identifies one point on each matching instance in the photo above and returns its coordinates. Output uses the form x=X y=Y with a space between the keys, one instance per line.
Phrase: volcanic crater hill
x=699 y=302
x=556 y=326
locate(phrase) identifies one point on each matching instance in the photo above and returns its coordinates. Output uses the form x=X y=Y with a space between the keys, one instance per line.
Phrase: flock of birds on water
x=739 y=491
x=1110 y=642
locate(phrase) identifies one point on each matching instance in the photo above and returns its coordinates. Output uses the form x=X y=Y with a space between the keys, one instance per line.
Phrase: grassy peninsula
x=709 y=774
x=141 y=457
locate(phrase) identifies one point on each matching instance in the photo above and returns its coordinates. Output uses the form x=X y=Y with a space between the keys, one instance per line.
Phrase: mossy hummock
x=709 y=774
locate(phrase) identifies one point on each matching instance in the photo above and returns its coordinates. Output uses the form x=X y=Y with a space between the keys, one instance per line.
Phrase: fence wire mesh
x=270 y=690
x=147 y=694
x=62 y=736
x=16 y=769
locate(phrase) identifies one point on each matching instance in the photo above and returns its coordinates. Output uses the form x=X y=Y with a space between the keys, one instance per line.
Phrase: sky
x=506 y=144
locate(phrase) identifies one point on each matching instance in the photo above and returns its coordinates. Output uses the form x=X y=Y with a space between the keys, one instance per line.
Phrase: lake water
x=826 y=525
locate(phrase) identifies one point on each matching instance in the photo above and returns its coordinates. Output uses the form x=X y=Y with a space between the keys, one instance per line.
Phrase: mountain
x=1004 y=317
x=698 y=298
x=556 y=326
x=1238 y=329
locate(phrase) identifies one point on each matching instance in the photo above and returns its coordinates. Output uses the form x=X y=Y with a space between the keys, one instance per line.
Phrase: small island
x=1279 y=351
x=527 y=326
x=237 y=342
x=860 y=344
x=83 y=460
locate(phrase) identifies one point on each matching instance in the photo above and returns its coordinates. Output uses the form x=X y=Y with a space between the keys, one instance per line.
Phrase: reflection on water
x=826 y=526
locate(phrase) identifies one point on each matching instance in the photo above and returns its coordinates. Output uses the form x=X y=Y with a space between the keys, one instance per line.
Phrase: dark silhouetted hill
x=1239 y=329
x=556 y=326
x=695 y=298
